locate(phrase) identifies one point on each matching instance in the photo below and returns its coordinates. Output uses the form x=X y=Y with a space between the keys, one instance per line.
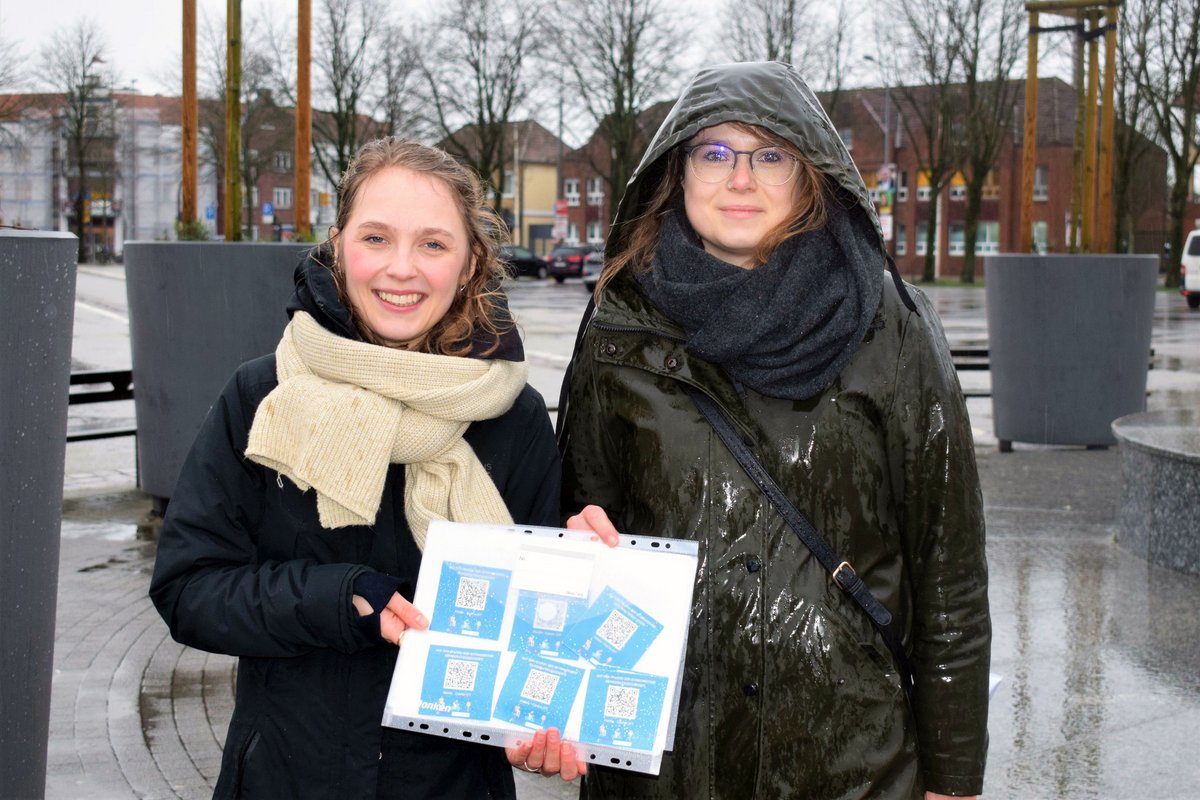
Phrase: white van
x=1189 y=269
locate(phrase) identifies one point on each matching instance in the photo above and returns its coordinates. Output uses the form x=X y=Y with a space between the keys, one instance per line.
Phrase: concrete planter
x=37 y=310
x=196 y=311
x=1160 y=467
x=1069 y=340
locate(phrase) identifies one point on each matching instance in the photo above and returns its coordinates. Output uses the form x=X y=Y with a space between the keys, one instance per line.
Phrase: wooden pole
x=1029 y=155
x=303 y=157
x=190 y=112
x=233 y=120
x=1105 y=239
x=1089 y=136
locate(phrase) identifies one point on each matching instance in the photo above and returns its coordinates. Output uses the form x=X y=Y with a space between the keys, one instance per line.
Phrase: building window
x=506 y=185
x=572 y=232
x=595 y=233
x=958 y=187
x=847 y=135
x=923 y=191
x=902 y=189
x=957 y=239
x=595 y=192
x=1041 y=236
x=571 y=191
x=920 y=248
x=987 y=238
x=991 y=187
x=281 y=197
x=282 y=161
x=1041 y=184
x=901 y=240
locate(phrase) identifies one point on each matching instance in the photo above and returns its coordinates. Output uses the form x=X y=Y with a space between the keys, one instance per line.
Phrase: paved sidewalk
x=1098 y=650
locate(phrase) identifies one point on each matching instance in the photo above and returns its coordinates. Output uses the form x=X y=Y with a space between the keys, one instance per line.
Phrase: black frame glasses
x=767 y=177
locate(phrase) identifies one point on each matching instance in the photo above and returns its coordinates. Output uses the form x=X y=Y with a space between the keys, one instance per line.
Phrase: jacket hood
x=769 y=94
x=316 y=293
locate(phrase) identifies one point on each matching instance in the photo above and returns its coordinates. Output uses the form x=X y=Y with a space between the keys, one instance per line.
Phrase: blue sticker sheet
x=613 y=632
x=459 y=682
x=538 y=693
x=540 y=621
x=470 y=600
x=622 y=708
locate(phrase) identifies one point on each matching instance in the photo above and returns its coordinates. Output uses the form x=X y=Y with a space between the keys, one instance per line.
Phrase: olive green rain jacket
x=788 y=691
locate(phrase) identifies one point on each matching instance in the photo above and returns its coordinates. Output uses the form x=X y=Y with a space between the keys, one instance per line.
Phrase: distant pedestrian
x=397 y=396
x=746 y=288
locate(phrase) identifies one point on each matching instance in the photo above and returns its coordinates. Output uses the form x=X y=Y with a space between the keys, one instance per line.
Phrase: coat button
x=672 y=363
x=750 y=689
x=610 y=349
x=753 y=565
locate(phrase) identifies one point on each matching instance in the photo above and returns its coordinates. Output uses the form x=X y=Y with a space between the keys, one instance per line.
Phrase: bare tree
x=992 y=35
x=477 y=79
x=346 y=71
x=1134 y=135
x=399 y=76
x=70 y=66
x=814 y=37
x=12 y=105
x=925 y=51
x=620 y=57
x=1167 y=71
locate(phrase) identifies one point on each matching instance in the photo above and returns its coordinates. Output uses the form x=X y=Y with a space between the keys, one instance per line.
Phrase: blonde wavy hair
x=808 y=213
x=478 y=305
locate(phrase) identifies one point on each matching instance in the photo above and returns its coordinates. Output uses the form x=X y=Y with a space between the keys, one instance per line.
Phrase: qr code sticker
x=460 y=675
x=551 y=614
x=539 y=687
x=621 y=702
x=472 y=594
x=616 y=630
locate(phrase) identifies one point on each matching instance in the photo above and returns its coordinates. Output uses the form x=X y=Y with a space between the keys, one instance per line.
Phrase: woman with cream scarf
x=396 y=396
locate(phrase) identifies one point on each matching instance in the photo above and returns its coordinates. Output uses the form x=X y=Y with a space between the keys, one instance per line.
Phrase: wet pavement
x=1099 y=651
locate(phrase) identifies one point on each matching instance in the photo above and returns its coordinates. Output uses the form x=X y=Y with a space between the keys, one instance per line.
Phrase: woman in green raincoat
x=746 y=263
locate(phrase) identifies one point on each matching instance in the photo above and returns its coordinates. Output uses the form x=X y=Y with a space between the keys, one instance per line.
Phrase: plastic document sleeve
x=533 y=628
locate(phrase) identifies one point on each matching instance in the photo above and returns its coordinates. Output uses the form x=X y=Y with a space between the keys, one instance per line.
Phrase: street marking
x=101 y=311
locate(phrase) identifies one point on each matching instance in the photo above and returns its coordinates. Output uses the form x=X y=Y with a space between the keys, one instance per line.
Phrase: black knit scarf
x=784 y=329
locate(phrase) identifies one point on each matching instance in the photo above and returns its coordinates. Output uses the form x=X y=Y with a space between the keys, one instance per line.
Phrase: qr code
x=539 y=687
x=621 y=702
x=460 y=675
x=472 y=593
x=551 y=615
x=616 y=630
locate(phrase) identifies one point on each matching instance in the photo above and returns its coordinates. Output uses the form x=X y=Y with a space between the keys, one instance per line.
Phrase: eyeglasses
x=713 y=163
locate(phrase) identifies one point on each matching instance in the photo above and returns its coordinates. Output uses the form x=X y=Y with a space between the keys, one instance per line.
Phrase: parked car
x=566 y=261
x=1189 y=270
x=521 y=262
x=592 y=264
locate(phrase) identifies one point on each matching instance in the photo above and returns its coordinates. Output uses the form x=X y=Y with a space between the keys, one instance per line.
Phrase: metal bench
x=115 y=385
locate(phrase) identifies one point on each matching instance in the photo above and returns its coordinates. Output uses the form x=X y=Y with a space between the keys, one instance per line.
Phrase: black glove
x=377 y=589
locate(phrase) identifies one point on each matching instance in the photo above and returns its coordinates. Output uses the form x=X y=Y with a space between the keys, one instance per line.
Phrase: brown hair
x=476 y=306
x=808 y=213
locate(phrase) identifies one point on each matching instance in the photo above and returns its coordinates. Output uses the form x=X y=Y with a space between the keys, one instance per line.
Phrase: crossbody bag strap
x=840 y=570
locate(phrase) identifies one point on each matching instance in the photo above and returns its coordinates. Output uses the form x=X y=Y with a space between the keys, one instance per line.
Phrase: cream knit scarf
x=344 y=410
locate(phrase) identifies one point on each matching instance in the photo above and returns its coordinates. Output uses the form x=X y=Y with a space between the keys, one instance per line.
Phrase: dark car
x=521 y=262
x=592 y=264
x=566 y=261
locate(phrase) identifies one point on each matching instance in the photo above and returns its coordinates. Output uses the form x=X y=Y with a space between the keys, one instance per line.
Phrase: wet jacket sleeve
x=208 y=583
x=950 y=628
x=589 y=475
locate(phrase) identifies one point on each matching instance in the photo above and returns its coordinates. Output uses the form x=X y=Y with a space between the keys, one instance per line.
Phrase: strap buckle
x=836 y=574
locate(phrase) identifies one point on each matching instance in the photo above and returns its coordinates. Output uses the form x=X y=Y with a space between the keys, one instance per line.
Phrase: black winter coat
x=245 y=568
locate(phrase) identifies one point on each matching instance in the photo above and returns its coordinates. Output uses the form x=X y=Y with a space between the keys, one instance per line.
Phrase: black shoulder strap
x=841 y=571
